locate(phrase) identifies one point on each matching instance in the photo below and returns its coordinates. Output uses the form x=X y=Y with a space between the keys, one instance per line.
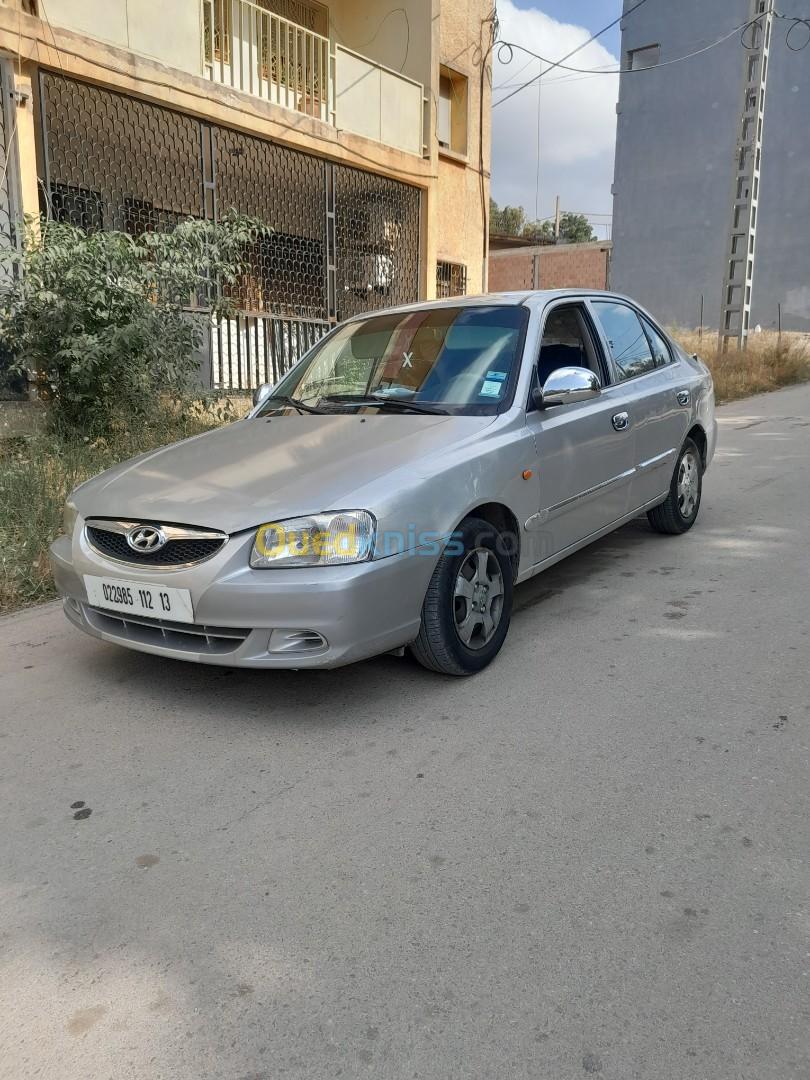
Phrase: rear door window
x=626 y=339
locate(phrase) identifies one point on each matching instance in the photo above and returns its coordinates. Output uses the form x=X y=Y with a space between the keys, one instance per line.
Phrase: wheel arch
x=504 y=520
x=698 y=436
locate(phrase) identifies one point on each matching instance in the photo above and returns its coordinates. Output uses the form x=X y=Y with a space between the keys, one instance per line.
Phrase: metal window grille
x=376 y=243
x=343 y=240
x=451 y=279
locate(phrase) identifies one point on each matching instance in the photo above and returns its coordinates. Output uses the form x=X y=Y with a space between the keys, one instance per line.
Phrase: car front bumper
x=256 y=618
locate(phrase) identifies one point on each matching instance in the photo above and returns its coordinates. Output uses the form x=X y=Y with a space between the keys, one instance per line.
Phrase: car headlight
x=345 y=536
x=69 y=518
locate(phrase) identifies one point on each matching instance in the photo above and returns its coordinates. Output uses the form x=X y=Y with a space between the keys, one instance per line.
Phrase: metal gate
x=343 y=240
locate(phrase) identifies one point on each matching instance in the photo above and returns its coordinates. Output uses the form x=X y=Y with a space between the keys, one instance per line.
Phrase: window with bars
x=451 y=279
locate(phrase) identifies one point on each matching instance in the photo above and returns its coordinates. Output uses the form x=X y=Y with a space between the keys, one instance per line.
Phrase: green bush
x=108 y=323
x=39 y=472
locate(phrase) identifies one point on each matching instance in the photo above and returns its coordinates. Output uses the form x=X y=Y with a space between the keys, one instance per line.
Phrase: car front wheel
x=680 y=509
x=468 y=604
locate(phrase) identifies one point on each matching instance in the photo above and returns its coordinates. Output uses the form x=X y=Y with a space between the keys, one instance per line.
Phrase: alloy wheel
x=688 y=484
x=478 y=598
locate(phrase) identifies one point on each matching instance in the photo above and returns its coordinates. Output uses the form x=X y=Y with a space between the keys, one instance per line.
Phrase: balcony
x=251 y=49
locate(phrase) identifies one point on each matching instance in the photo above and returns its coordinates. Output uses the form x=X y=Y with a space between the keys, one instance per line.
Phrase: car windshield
x=444 y=359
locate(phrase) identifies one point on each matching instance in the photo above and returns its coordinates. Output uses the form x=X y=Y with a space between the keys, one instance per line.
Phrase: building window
x=451 y=121
x=451 y=280
x=648 y=56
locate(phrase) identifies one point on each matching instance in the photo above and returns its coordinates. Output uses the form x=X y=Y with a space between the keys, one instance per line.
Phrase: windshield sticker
x=491 y=388
x=498 y=376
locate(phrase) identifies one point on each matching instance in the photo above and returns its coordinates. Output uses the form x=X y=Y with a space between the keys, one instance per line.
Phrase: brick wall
x=583 y=266
x=510 y=270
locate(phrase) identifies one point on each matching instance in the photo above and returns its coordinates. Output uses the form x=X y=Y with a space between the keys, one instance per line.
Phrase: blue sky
x=592 y=14
x=576 y=121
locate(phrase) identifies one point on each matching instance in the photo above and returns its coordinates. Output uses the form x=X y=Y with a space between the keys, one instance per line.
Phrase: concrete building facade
x=678 y=126
x=357 y=130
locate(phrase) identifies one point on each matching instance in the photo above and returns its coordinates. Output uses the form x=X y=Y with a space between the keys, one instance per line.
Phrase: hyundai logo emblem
x=145 y=538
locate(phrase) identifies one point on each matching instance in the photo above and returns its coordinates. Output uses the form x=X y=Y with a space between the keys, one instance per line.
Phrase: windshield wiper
x=384 y=401
x=294 y=402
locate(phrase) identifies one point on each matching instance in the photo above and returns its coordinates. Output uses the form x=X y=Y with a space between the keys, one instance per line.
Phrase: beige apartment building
x=358 y=130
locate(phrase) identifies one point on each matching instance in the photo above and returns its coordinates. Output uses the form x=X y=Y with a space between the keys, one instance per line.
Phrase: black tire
x=678 y=512
x=439 y=646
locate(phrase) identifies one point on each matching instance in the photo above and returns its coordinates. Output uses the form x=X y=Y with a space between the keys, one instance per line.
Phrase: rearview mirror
x=261 y=392
x=567 y=385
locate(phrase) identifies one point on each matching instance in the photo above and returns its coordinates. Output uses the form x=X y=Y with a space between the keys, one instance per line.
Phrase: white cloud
x=577 y=119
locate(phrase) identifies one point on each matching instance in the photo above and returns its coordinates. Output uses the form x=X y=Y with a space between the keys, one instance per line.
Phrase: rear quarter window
x=658 y=345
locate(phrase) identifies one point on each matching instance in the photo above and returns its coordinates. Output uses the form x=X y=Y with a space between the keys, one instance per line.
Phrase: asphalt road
x=590 y=860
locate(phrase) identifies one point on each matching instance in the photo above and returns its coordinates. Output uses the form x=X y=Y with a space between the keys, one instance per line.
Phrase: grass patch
x=766 y=364
x=36 y=476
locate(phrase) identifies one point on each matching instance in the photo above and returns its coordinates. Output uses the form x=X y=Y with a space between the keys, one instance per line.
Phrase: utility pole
x=735 y=311
x=557 y=221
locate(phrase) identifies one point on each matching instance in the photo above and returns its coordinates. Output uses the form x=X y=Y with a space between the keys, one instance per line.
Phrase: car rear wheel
x=468 y=604
x=679 y=511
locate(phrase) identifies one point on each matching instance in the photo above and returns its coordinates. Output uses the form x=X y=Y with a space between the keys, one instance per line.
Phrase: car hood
x=263 y=469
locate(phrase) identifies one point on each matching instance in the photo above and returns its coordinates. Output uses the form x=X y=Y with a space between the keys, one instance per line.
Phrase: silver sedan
x=395 y=486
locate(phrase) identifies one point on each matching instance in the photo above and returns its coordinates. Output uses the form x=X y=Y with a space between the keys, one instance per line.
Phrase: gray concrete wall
x=676 y=134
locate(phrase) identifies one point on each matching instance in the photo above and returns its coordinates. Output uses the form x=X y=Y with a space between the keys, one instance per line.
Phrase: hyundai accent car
x=392 y=489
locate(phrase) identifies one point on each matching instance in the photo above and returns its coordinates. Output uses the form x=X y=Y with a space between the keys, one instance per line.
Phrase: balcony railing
x=251 y=49
x=255 y=51
x=377 y=102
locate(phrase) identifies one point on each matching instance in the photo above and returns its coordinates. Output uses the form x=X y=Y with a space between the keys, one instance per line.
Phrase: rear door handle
x=621 y=421
x=684 y=397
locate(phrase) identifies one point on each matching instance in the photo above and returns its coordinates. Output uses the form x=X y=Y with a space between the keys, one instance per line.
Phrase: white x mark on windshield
x=407 y=359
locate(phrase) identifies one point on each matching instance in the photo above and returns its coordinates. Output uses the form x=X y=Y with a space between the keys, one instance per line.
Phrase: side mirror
x=567 y=385
x=261 y=392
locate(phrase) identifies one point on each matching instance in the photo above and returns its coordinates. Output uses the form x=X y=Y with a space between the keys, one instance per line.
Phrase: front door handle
x=621 y=421
x=684 y=397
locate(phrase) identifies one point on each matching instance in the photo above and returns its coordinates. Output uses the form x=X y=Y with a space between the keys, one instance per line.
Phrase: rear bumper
x=359 y=611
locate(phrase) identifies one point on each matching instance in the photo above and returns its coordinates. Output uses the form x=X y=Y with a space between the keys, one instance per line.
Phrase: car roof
x=488 y=299
x=533 y=298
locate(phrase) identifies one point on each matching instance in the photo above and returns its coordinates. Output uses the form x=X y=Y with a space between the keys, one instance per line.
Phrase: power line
x=568 y=55
x=630 y=70
x=795 y=22
x=546 y=82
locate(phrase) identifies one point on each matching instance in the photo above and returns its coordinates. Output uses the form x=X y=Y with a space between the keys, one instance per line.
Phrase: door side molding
x=588 y=493
x=658 y=460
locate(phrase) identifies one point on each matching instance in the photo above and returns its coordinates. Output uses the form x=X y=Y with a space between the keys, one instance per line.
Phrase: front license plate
x=157 y=601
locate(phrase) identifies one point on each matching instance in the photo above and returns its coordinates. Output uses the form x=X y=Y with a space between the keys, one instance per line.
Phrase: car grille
x=185 y=637
x=180 y=551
